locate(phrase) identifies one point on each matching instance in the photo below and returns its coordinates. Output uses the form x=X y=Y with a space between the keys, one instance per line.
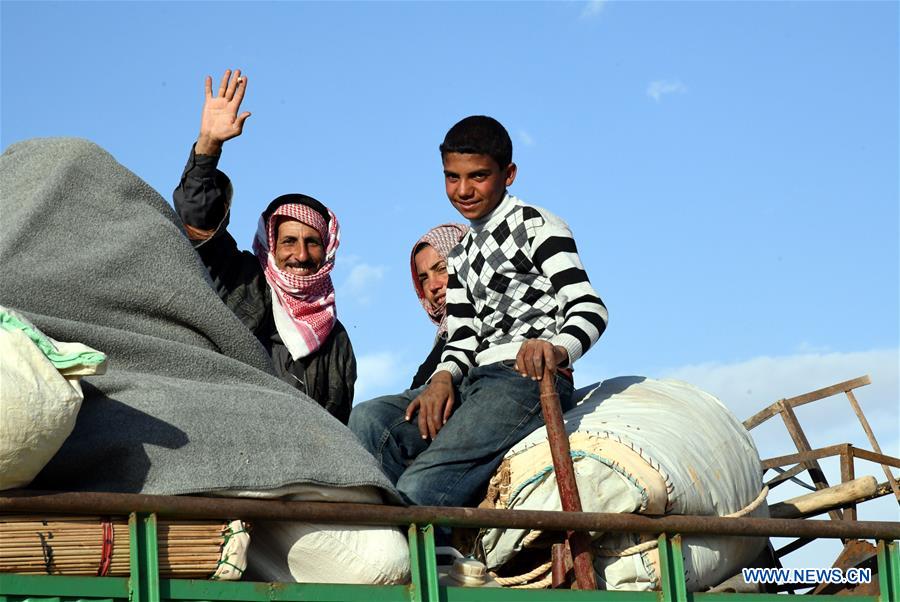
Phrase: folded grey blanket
x=90 y=253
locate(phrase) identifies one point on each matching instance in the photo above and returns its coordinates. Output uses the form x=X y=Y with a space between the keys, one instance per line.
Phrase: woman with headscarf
x=428 y=262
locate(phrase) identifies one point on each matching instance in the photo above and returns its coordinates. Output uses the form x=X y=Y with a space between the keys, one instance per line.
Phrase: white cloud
x=661 y=87
x=379 y=374
x=748 y=386
x=526 y=138
x=361 y=281
x=592 y=8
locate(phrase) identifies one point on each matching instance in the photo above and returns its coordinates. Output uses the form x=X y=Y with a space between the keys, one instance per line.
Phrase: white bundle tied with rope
x=641 y=446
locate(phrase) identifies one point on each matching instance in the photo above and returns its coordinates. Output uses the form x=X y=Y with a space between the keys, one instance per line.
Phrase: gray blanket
x=90 y=253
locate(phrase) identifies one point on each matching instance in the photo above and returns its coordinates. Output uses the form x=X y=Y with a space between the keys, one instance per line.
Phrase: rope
x=546 y=581
x=524 y=578
x=107 y=538
x=521 y=581
x=531 y=537
x=649 y=545
x=47 y=551
x=226 y=563
x=635 y=549
x=752 y=505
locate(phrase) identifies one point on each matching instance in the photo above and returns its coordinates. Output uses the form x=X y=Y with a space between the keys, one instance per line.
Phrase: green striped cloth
x=62 y=355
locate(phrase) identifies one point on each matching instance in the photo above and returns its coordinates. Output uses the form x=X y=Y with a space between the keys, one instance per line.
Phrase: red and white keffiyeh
x=305 y=312
x=442 y=239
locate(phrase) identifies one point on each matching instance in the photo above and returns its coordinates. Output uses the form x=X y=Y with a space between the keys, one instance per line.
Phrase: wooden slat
x=813 y=454
x=864 y=454
x=848 y=474
x=865 y=424
x=802 y=443
x=847 y=385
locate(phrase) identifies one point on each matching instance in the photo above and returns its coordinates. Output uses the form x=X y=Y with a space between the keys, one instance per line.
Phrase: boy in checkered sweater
x=518 y=301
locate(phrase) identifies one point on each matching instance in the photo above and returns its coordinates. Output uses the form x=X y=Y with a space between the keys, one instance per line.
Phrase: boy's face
x=475 y=183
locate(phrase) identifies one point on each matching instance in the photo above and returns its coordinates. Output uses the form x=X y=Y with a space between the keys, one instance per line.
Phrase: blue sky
x=730 y=170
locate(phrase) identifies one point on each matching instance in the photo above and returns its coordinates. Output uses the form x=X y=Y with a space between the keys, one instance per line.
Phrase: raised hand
x=220 y=120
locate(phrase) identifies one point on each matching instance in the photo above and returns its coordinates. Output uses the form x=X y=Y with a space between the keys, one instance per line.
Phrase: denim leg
x=380 y=426
x=496 y=408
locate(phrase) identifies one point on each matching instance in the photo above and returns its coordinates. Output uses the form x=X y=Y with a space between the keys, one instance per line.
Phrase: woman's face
x=431 y=270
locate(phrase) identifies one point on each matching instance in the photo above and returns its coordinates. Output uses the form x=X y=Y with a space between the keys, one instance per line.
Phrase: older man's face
x=298 y=248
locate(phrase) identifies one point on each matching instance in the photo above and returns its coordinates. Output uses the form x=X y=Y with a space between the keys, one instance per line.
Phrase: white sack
x=645 y=446
x=325 y=553
x=233 y=560
x=38 y=407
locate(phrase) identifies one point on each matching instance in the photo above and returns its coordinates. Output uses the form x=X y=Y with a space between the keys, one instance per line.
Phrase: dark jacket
x=430 y=364
x=203 y=200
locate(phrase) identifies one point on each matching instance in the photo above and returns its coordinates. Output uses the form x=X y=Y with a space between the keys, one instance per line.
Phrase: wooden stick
x=579 y=543
x=825 y=499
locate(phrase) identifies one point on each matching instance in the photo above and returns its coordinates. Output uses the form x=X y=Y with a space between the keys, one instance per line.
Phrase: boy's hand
x=534 y=354
x=435 y=405
x=220 y=120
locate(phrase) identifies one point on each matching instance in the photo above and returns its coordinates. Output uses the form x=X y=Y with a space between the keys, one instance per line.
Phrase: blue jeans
x=495 y=408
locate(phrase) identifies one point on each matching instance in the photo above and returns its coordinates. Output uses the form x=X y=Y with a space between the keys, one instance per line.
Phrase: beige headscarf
x=442 y=239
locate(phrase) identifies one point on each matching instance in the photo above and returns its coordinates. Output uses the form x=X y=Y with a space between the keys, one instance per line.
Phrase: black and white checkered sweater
x=516 y=275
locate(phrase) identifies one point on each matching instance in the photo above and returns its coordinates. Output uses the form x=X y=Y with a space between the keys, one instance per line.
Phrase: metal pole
x=558 y=569
x=579 y=542
x=121 y=504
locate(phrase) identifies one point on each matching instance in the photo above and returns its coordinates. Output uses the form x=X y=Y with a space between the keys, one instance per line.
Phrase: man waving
x=282 y=291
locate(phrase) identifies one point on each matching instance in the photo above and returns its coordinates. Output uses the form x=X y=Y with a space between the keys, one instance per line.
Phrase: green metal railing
x=145 y=585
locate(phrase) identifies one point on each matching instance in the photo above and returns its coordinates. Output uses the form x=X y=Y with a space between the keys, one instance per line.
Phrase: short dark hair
x=479 y=135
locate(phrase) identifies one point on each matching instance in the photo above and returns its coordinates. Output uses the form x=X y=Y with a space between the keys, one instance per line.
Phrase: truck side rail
x=145 y=585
